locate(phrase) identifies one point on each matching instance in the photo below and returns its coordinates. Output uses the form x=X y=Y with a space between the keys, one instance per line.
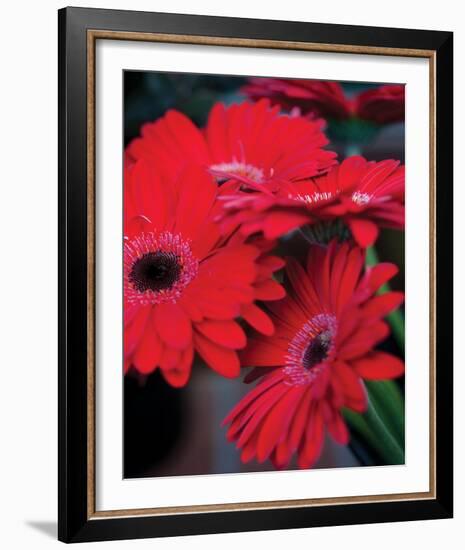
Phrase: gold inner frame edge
x=92 y=36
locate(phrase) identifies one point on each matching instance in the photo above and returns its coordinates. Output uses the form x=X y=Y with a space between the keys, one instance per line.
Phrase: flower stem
x=324 y=232
x=395 y=318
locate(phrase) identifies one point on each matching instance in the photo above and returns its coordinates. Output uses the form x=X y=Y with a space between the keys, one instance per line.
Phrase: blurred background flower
x=354 y=115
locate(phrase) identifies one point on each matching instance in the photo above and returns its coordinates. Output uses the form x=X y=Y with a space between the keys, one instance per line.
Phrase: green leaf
x=389 y=403
x=382 y=426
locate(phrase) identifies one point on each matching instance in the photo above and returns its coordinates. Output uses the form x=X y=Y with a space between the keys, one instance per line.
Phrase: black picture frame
x=75 y=523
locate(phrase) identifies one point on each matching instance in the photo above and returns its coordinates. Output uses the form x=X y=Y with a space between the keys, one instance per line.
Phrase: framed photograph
x=255 y=286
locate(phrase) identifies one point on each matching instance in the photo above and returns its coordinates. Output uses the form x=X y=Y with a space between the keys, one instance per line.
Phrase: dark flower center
x=317 y=350
x=311 y=349
x=155 y=271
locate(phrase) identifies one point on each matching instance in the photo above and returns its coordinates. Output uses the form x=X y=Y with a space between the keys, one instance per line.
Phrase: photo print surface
x=263 y=274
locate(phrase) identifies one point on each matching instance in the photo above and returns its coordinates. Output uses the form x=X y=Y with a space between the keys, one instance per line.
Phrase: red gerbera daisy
x=382 y=105
x=357 y=196
x=327 y=99
x=250 y=143
x=318 y=97
x=323 y=346
x=184 y=284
